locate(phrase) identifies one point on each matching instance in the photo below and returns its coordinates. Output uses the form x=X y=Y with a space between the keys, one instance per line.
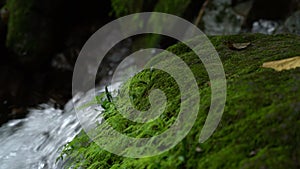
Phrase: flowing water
x=37 y=140
x=34 y=142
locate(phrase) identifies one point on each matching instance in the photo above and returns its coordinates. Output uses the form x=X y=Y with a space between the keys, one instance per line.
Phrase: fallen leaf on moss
x=284 y=64
x=238 y=46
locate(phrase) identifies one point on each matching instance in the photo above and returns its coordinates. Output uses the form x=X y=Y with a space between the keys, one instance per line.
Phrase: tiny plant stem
x=108 y=95
x=201 y=12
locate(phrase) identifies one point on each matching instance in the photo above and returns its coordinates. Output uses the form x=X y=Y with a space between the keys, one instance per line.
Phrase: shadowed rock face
x=32 y=34
x=37 y=29
x=35 y=33
x=268 y=9
x=33 y=28
x=21 y=88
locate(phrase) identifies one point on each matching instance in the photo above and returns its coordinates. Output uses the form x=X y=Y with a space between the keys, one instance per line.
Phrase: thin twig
x=201 y=12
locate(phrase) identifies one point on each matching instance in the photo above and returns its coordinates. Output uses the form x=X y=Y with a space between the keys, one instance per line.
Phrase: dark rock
x=33 y=28
x=270 y=10
x=39 y=44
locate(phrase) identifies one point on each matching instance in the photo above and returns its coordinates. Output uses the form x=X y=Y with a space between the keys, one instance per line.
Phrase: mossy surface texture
x=260 y=127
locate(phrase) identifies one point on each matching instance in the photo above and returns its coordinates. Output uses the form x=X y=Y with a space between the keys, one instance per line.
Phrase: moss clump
x=259 y=128
x=121 y=8
x=175 y=7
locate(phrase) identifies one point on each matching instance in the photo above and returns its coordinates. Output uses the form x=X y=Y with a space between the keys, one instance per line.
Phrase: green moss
x=175 y=7
x=19 y=38
x=17 y=24
x=259 y=128
x=172 y=7
x=121 y=8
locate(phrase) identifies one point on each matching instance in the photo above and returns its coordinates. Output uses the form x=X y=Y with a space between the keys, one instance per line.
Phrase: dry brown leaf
x=239 y=46
x=284 y=64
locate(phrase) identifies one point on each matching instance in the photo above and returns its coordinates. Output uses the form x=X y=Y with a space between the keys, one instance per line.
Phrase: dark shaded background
x=37 y=58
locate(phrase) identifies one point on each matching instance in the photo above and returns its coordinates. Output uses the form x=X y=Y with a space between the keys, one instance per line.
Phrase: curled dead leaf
x=238 y=46
x=284 y=64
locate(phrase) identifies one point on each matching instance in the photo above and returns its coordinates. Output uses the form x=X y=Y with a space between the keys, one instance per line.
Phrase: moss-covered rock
x=259 y=128
x=32 y=26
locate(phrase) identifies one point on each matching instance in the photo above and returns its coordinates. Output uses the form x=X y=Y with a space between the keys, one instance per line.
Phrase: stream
x=36 y=141
x=33 y=142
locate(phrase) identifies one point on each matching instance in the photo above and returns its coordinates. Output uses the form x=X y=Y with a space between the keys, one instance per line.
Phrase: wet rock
x=269 y=10
x=4 y=14
x=20 y=89
x=292 y=24
x=11 y=94
x=265 y=26
x=220 y=19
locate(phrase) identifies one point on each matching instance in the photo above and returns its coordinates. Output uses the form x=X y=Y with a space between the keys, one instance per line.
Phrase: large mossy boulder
x=259 y=128
x=32 y=29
